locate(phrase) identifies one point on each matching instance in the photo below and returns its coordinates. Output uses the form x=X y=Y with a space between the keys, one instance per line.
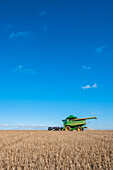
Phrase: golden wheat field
x=60 y=150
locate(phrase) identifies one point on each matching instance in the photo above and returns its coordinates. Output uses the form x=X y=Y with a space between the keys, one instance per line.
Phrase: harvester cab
x=73 y=123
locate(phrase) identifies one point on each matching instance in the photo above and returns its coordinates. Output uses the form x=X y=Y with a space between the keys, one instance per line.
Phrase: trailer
x=55 y=128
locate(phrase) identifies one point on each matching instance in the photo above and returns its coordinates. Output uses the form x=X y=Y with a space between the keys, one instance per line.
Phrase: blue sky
x=56 y=59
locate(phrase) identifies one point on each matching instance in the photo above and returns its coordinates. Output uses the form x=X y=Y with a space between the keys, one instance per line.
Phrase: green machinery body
x=73 y=123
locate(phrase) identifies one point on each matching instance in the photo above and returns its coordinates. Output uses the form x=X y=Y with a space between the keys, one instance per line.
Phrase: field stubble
x=49 y=150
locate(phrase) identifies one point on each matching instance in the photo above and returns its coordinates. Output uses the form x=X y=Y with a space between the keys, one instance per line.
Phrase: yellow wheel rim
x=67 y=129
x=79 y=129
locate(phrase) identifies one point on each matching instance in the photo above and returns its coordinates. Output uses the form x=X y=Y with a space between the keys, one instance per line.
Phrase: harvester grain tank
x=73 y=123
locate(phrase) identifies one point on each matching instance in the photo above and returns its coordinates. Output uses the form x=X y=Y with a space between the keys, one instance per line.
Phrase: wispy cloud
x=89 y=87
x=43 y=13
x=86 y=67
x=23 y=127
x=96 y=113
x=6 y=125
x=9 y=26
x=94 y=85
x=21 y=34
x=100 y=49
x=86 y=87
x=45 y=28
x=21 y=69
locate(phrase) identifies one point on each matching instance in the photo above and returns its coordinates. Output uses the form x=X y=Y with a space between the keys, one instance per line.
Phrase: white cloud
x=100 y=49
x=95 y=85
x=89 y=87
x=86 y=67
x=43 y=13
x=21 y=69
x=19 y=34
x=86 y=87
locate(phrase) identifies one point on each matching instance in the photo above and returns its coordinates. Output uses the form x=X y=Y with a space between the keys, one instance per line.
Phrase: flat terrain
x=56 y=150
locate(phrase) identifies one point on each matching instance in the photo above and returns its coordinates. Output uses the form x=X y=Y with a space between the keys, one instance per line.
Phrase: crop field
x=56 y=150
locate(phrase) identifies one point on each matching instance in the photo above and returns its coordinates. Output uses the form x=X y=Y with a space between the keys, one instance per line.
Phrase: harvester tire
x=79 y=128
x=68 y=128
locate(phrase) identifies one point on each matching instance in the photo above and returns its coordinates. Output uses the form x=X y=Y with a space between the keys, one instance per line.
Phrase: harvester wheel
x=68 y=128
x=79 y=128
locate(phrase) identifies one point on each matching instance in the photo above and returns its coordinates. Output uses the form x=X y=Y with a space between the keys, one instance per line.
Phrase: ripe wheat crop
x=56 y=150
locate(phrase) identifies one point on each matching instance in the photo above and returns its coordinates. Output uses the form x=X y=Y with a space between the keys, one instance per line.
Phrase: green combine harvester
x=72 y=123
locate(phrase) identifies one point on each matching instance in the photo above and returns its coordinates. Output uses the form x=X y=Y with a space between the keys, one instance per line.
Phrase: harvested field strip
x=56 y=150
